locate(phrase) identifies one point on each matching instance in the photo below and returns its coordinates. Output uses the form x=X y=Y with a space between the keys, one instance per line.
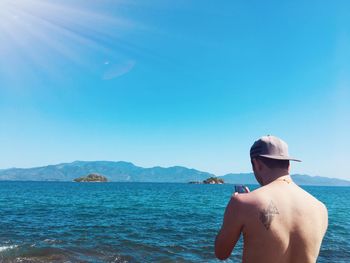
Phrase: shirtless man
x=280 y=222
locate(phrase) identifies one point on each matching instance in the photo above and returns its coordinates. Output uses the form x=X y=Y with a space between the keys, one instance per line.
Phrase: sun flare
x=34 y=32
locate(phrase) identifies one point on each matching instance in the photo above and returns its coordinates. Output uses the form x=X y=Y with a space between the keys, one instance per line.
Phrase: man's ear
x=256 y=165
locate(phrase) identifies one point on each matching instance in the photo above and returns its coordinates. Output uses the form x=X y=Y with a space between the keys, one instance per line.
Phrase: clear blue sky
x=161 y=82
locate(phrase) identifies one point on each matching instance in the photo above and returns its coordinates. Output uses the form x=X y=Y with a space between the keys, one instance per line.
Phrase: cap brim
x=277 y=157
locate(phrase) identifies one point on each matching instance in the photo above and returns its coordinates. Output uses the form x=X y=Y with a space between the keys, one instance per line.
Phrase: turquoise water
x=134 y=222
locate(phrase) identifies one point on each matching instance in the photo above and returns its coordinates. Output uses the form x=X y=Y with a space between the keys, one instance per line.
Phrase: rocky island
x=211 y=180
x=91 y=178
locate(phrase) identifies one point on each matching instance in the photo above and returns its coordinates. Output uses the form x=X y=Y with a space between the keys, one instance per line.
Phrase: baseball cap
x=271 y=147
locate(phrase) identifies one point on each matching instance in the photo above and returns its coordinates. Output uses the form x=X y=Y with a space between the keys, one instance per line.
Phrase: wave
x=34 y=254
x=30 y=253
x=3 y=248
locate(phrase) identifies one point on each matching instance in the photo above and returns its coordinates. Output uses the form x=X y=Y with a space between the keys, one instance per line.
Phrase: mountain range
x=128 y=172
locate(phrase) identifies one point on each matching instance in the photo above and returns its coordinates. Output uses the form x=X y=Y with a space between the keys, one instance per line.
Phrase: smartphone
x=240 y=188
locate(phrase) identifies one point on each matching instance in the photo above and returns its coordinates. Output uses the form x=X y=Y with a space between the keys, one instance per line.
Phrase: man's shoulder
x=253 y=202
x=252 y=198
x=248 y=201
x=316 y=203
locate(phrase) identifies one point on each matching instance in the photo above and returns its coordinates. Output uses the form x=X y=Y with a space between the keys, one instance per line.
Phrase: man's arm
x=231 y=228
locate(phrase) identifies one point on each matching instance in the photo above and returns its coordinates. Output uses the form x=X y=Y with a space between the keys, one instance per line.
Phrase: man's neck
x=277 y=175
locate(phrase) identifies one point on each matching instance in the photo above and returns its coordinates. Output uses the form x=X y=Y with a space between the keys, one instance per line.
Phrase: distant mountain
x=249 y=178
x=128 y=172
x=303 y=179
x=241 y=178
x=114 y=171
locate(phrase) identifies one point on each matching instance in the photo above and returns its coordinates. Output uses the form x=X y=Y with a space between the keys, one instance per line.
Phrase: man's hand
x=246 y=191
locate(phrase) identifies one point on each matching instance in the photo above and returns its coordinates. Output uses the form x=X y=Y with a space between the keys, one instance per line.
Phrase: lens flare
x=46 y=35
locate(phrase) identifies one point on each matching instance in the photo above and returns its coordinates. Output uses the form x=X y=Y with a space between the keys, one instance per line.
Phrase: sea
x=135 y=222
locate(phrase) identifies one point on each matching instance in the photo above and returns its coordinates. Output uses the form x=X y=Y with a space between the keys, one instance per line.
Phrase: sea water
x=134 y=222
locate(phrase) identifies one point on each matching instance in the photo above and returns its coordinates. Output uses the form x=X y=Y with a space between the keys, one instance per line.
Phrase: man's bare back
x=280 y=222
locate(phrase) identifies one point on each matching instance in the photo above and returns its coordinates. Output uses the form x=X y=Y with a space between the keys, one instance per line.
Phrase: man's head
x=269 y=156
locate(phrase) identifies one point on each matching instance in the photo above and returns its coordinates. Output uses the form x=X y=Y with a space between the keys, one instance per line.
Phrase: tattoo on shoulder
x=266 y=215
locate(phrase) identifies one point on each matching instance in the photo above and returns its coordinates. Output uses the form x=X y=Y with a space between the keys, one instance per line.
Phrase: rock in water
x=213 y=180
x=91 y=178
